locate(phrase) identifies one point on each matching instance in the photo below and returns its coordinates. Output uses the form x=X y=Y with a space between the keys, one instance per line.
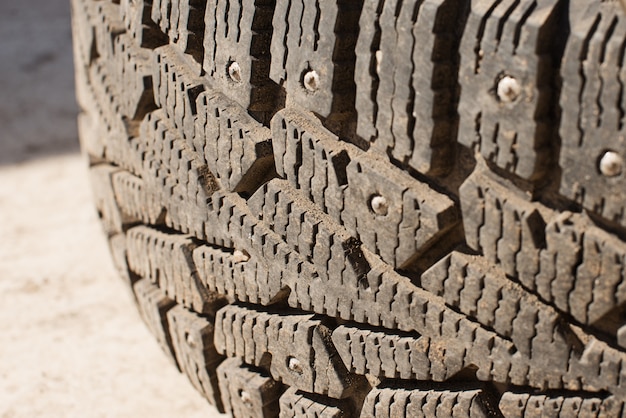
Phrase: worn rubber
x=368 y=208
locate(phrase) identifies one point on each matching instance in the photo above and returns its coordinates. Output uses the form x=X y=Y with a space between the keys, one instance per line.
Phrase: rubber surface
x=373 y=208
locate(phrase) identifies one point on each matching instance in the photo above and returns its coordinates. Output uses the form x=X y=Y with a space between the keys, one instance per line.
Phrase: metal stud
x=379 y=205
x=294 y=365
x=611 y=164
x=234 y=72
x=508 y=89
x=240 y=256
x=312 y=81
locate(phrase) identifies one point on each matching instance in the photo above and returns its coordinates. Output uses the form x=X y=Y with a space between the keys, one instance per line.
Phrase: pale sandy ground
x=71 y=341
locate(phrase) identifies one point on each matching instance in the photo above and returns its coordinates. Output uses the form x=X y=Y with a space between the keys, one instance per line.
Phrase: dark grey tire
x=374 y=208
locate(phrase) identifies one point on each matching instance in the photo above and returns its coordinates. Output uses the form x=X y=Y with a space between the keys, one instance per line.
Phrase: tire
x=376 y=208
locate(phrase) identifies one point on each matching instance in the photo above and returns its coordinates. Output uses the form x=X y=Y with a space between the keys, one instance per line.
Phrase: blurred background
x=71 y=342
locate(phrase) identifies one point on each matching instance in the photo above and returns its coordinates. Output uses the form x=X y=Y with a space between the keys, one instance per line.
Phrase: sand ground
x=71 y=341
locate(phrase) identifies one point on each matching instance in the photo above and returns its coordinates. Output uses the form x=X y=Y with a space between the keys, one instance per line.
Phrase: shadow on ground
x=37 y=106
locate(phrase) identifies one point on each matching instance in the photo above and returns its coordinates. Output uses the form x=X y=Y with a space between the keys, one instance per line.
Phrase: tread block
x=297 y=404
x=175 y=176
x=101 y=77
x=108 y=130
x=237 y=276
x=192 y=338
x=411 y=216
x=417 y=132
x=505 y=227
x=561 y=262
x=247 y=393
x=108 y=25
x=134 y=201
x=298 y=348
x=391 y=403
x=83 y=46
x=300 y=224
x=312 y=159
x=508 y=53
x=321 y=248
x=183 y=23
x=177 y=85
x=537 y=331
x=599 y=367
x=582 y=272
x=134 y=73
x=90 y=133
x=485 y=294
x=234 y=146
x=237 y=52
x=393 y=356
x=476 y=289
x=112 y=217
x=153 y=306
x=103 y=130
x=272 y=269
x=117 y=246
x=137 y=18
x=592 y=121
x=83 y=36
x=166 y=260
x=317 y=38
x=517 y=405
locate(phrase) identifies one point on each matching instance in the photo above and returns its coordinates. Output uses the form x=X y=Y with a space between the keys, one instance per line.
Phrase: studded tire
x=368 y=208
